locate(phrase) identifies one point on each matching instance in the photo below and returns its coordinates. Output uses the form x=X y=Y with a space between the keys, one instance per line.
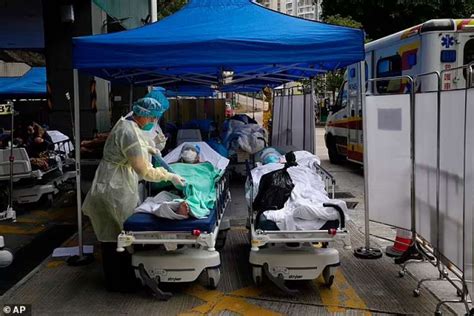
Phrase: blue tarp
x=207 y=37
x=190 y=91
x=31 y=85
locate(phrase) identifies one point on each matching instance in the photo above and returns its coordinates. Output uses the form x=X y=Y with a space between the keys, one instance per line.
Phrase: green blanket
x=200 y=191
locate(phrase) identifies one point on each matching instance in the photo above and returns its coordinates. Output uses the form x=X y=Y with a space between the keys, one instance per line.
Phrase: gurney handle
x=340 y=211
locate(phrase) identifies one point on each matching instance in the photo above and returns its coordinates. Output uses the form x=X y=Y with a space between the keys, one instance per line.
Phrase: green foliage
x=168 y=7
x=333 y=80
x=383 y=17
x=343 y=21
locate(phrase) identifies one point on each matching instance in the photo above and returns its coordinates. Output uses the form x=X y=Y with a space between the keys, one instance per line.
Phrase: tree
x=168 y=7
x=343 y=21
x=333 y=80
x=383 y=17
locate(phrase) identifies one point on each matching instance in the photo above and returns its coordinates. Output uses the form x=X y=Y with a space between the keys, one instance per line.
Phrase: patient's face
x=183 y=209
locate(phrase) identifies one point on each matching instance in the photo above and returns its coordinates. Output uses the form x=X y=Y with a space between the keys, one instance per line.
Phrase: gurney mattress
x=142 y=222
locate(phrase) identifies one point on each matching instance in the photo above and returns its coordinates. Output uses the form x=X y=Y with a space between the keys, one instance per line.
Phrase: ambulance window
x=468 y=53
x=388 y=67
x=342 y=97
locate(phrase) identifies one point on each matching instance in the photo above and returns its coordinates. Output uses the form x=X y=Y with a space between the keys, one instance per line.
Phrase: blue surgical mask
x=148 y=126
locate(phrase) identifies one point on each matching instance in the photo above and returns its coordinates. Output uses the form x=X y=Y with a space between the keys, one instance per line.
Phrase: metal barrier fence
x=420 y=170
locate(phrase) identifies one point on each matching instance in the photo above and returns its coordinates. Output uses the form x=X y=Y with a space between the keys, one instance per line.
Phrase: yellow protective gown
x=114 y=192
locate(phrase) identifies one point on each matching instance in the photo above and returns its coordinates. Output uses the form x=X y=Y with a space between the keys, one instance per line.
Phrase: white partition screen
x=451 y=182
x=469 y=219
x=425 y=165
x=389 y=163
x=293 y=122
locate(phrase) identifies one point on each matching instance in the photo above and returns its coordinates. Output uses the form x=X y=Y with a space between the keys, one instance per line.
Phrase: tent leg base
x=77 y=261
x=368 y=253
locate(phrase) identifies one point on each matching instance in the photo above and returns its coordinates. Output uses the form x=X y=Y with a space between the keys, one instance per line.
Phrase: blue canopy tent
x=31 y=85
x=218 y=44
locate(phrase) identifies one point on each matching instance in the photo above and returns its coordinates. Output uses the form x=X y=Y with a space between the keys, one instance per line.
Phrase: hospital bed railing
x=261 y=237
x=171 y=239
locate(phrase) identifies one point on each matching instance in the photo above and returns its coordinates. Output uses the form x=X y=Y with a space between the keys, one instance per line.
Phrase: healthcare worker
x=155 y=135
x=114 y=192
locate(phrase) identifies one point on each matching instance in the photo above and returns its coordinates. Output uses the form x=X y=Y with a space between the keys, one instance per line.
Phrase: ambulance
x=431 y=46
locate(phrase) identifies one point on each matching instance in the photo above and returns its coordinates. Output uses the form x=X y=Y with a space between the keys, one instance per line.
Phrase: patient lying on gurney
x=299 y=201
x=199 y=195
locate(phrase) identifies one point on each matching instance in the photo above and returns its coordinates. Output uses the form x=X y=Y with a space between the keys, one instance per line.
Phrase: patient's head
x=190 y=153
x=183 y=209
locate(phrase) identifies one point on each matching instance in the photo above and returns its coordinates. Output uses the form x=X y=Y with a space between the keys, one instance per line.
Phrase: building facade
x=306 y=9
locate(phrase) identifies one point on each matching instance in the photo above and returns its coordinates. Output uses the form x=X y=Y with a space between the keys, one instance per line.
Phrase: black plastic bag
x=275 y=188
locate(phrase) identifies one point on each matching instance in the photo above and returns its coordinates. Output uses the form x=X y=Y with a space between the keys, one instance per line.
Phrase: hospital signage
x=6 y=109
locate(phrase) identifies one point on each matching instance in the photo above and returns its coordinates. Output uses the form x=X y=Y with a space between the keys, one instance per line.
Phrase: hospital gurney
x=180 y=249
x=291 y=255
x=30 y=185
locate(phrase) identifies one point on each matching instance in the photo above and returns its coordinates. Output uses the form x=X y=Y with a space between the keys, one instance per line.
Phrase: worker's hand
x=153 y=151
x=178 y=181
x=39 y=140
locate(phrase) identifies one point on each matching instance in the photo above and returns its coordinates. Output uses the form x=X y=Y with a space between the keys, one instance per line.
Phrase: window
x=409 y=59
x=389 y=67
x=342 y=97
x=448 y=56
x=468 y=54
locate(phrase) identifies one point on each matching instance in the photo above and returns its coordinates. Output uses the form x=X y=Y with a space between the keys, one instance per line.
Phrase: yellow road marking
x=16 y=229
x=217 y=302
x=55 y=264
x=341 y=296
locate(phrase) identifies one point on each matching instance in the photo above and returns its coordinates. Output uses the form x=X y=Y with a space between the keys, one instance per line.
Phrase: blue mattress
x=142 y=222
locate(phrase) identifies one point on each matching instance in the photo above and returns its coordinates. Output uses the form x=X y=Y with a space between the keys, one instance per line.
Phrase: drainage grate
x=344 y=195
x=351 y=205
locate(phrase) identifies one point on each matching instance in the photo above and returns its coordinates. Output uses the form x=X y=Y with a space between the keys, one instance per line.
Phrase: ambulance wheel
x=334 y=157
x=213 y=277
x=328 y=276
x=257 y=275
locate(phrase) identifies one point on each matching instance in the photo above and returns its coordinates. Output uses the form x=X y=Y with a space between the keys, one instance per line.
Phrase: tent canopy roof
x=31 y=85
x=211 y=40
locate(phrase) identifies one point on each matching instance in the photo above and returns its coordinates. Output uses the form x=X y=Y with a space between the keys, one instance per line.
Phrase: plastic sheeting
x=451 y=184
x=293 y=122
x=425 y=165
x=131 y=13
x=389 y=162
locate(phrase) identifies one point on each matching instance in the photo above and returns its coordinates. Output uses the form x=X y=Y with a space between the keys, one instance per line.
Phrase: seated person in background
x=38 y=141
x=190 y=154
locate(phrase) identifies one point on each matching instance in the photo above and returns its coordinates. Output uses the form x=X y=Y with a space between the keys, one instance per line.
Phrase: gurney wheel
x=328 y=276
x=49 y=200
x=257 y=275
x=213 y=277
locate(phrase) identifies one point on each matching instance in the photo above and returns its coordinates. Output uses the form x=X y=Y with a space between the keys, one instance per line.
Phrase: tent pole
x=131 y=98
x=80 y=259
x=253 y=105
x=367 y=251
